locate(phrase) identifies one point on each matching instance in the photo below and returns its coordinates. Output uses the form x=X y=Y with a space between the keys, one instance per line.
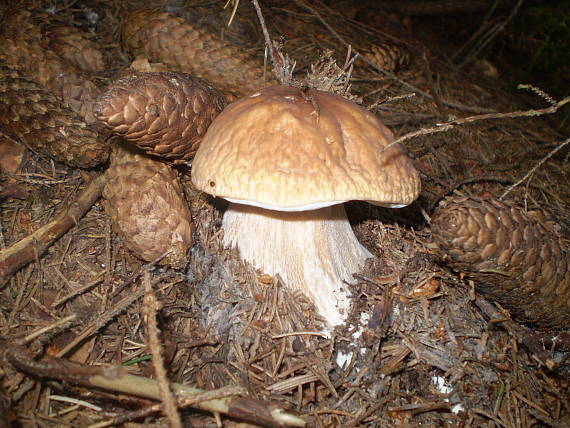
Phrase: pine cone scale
x=488 y=251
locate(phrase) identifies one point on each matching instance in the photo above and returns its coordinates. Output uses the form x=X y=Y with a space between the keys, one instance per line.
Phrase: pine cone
x=169 y=39
x=145 y=201
x=517 y=258
x=388 y=56
x=164 y=114
x=40 y=120
x=74 y=47
x=22 y=46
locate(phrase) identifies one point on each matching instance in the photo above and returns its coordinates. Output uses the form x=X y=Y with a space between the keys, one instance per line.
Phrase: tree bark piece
x=520 y=259
x=164 y=114
x=26 y=250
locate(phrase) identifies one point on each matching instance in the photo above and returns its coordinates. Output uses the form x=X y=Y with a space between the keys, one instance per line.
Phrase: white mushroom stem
x=313 y=251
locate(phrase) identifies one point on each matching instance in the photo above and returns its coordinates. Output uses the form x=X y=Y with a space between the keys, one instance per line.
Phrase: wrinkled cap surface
x=287 y=150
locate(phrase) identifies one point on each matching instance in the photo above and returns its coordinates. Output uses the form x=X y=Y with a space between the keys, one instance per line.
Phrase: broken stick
x=16 y=256
x=540 y=344
x=117 y=379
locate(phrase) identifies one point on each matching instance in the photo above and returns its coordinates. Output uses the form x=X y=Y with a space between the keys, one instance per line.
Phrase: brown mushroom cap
x=287 y=150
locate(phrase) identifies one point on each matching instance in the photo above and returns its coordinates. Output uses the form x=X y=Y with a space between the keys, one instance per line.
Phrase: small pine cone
x=165 y=114
x=145 y=201
x=73 y=46
x=388 y=56
x=517 y=258
x=22 y=46
x=169 y=39
x=38 y=119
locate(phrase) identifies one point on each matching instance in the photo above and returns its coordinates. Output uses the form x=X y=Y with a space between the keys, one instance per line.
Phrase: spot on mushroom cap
x=285 y=150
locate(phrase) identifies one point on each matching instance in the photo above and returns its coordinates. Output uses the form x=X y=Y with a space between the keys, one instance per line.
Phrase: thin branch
x=534 y=168
x=492 y=34
x=446 y=126
x=149 y=310
x=16 y=256
x=282 y=66
x=141 y=413
x=56 y=325
x=118 y=380
x=100 y=320
x=537 y=343
x=268 y=42
x=234 y=10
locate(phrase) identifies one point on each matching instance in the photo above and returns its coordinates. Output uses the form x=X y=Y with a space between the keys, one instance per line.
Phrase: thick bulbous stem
x=315 y=251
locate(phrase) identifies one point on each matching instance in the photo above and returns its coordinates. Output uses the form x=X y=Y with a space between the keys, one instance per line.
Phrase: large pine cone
x=517 y=258
x=164 y=114
x=74 y=47
x=38 y=118
x=23 y=46
x=171 y=40
x=145 y=201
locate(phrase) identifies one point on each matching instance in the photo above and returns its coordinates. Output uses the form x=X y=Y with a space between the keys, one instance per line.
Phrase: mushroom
x=287 y=160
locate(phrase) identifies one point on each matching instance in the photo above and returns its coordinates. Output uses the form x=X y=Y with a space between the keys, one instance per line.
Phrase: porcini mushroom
x=287 y=160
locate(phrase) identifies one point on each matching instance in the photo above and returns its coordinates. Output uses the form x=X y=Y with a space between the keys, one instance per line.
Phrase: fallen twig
x=100 y=320
x=534 y=168
x=118 y=380
x=488 y=34
x=141 y=413
x=537 y=343
x=268 y=42
x=16 y=256
x=62 y=323
x=280 y=64
x=149 y=311
x=446 y=126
